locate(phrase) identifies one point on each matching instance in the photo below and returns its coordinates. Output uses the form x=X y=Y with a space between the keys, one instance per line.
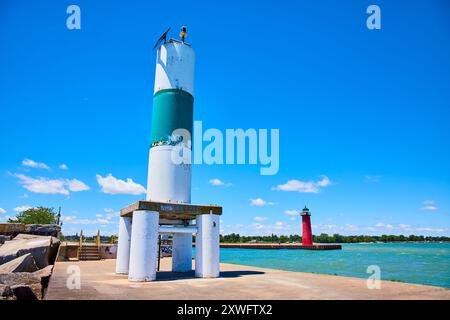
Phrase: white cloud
x=429 y=206
x=33 y=164
x=43 y=185
x=217 y=182
x=378 y=228
x=351 y=227
x=292 y=212
x=2 y=210
x=428 y=229
x=76 y=185
x=68 y=219
x=260 y=218
x=260 y=202
x=76 y=220
x=111 y=215
x=99 y=215
x=384 y=226
x=304 y=186
x=103 y=221
x=410 y=229
x=112 y=185
x=63 y=166
x=108 y=210
x=258 y=226
x=51 y=186
x=372 y=178
x=22 y=208
x=325 y=227
x=280 y=225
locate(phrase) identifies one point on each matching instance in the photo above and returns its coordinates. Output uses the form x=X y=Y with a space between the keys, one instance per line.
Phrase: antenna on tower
x=163 y=37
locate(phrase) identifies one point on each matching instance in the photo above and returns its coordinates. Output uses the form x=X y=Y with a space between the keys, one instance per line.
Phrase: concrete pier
x=99 y=281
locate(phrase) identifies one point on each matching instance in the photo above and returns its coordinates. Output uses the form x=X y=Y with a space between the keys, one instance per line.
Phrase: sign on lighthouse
x=167 y=209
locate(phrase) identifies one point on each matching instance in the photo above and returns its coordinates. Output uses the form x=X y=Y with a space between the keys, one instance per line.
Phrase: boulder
x=11 y=229
x=23 y=263
x=6 y=293
x=42 y=248
x=43 y=229
x=19 y=280
x=24 y=292
x=44 y=274
x=3 y=239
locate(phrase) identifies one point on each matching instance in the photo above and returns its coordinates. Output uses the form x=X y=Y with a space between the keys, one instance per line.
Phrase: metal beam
x=167 y=229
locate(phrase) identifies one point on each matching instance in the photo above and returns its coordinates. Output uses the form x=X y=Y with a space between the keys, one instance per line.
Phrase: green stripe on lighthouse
x=172 y=109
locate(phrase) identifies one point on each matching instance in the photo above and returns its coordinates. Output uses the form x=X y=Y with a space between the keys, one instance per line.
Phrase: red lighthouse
x=306 y=227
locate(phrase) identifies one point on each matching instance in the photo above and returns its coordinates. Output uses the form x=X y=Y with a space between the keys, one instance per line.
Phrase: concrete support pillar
x=207 y=248
x=123 y=245
x=144 y=246
x=182 y=252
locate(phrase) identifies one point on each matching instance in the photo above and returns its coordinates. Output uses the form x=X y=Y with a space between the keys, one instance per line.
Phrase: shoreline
x=279 y=246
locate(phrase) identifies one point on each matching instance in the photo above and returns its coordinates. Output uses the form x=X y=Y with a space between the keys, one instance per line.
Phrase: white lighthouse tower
x=169 y=181
x=173 y=103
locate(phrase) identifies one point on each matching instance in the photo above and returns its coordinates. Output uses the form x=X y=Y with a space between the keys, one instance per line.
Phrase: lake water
x=423 y=263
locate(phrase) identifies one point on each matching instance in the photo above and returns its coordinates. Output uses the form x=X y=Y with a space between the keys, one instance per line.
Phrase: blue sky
x=367 y=109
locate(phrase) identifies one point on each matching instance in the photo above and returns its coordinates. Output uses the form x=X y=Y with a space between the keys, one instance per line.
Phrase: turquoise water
x=423 y=263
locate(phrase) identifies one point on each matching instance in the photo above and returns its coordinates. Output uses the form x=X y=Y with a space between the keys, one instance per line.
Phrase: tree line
x=335 y=238
x=43 y=215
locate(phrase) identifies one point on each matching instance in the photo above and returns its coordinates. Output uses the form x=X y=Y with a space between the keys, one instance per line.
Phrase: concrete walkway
x=98 y=281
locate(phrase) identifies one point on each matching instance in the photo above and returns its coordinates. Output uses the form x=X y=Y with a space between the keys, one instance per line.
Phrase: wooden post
x=81 y=238
x=80 y=246
x=97 y=241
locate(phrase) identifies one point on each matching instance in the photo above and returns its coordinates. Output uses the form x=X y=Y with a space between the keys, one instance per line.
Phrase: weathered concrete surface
x=19 y=280
x=42 y=248
x=11 y=228
x=23 y=263
x=98 y=281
